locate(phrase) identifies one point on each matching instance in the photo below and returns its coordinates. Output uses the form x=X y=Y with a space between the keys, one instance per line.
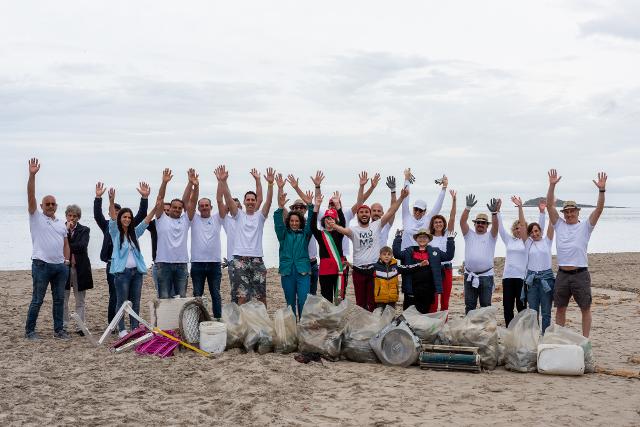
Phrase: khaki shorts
x=577 y=285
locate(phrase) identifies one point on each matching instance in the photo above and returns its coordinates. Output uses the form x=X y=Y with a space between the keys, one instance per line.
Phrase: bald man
x=50 y=258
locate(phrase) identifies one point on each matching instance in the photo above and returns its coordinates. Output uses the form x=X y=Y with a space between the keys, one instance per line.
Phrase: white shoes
x=122 y=333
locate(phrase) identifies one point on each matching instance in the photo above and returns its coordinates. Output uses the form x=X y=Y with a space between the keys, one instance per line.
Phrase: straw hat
x=482 y=217
x=423 y=232
x=569 y=204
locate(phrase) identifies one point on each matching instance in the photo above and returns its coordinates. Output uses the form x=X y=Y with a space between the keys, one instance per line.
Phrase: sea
x=618 y=230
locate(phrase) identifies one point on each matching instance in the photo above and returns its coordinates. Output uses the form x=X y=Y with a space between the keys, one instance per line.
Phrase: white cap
x=420 y=204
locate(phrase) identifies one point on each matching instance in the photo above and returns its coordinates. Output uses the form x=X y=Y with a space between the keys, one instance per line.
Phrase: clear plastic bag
x=502 y=334
x=236 y=326
x=285 y=339
x=521 y=342
x=477 y=329
x=556 y=334
x=361 y=325
x=425 y=326
x=321 y=326
x=260 y=331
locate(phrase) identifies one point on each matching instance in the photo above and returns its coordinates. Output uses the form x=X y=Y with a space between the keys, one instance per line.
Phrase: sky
x=491 y=93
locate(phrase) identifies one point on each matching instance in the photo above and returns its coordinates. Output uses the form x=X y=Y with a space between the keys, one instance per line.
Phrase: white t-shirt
x=172 y=239
x=229 y=226
x=515 y=264
x=539 y=254
x=131 y=259
x=384 y=235
x=47 y=237
x=313 y=248
x=479 y=251
x=247 y=238
x=571 y=242
x=205 y=238
x=366 y=243
x=411 y=225
x=440 y=242
x=346 y=243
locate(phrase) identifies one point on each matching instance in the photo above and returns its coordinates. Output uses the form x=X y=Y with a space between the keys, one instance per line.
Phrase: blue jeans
x=44 y=273
x=172 y=279
x=129 y=288
x=212 y=273
x=313 y=289
x=539 y=299
x=296 y=288
x=482 y=293
x=154 y=275
x=111 y=308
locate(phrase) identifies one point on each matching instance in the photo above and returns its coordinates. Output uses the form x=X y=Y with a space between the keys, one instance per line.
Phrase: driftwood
x=618 y=372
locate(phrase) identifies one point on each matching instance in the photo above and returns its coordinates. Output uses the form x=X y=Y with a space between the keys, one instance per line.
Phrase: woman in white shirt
x=438 y=228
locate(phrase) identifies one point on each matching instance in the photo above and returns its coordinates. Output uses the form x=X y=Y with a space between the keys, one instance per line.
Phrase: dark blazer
x=103 y=223
x=79 y=242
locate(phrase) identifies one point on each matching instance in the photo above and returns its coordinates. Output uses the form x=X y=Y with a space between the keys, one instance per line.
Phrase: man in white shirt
x=50 y=258
x=572 y=239
x=249 y=279
x=366 y=249
x=479 y=251
x=172 y=254
x=206 y=253
x=377 y=211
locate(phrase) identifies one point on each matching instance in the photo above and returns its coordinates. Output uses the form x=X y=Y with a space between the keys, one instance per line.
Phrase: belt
x=576 y=271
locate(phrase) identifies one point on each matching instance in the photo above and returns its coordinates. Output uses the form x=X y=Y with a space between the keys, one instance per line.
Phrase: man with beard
x=366 y=249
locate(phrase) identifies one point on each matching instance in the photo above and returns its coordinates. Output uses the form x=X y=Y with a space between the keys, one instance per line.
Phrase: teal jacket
x=294 y=245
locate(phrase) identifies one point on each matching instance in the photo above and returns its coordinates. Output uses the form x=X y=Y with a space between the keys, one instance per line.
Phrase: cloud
x=620 y=20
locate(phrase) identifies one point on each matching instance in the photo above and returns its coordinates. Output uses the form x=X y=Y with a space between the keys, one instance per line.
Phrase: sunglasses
x=50 y=204
x=481 y=223
x=298 y=206
x=418 y=210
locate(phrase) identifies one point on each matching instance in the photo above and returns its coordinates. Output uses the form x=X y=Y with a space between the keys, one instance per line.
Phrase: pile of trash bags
x=361 y=325
x=286 y=336
x=521 y=342
x=425 y=326
x=556 y=334
x=321 y=326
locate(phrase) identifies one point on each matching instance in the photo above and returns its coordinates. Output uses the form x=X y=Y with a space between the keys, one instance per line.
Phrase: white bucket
x=213 y=337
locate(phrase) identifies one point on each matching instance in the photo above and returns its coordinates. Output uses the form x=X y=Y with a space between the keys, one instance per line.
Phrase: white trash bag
x=286 y=337
x=236 y=326
x=560 y=359
x=521 y=342
x=361 y=325
x=321 y=326
x=260 y=331
x=425 y=326
x=556 y=334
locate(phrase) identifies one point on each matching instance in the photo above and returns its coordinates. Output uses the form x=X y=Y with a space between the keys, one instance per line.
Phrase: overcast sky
x=491 y=92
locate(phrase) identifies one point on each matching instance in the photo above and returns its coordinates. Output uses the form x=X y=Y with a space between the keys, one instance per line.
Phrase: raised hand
x=100 y=189
x=375 y=180
x=542 y=205
x=391 y=183
x=454 y=194
x=516 y=201
x=553 y=177
x=166 y=175
x=317 y=180
x=293 y=181
x=143 y=188
x=255 y=174
x=363 y=178
x=471 y=201
x=280 y=182
x=193 y=177
x=319 y=199
x=308 y=197
x=221 y=173
x=282 y=200
x=601 y=182
x=493 y=205
x=336 y=197
x=404 y=193
x=112 y=195
x=408 y=176
x=270 y=176
x=444 y=181
x=34 y=166
x=399 y=232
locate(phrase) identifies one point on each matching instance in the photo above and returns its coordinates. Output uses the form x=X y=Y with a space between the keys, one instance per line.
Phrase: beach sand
x=53 y=382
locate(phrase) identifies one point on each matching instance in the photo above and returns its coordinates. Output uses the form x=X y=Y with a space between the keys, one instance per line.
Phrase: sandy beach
x=53 y=382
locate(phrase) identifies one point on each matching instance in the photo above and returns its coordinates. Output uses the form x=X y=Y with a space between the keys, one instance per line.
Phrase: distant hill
x=534 y=203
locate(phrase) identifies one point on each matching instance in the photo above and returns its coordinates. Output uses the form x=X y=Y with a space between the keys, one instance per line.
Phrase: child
x=386 y=281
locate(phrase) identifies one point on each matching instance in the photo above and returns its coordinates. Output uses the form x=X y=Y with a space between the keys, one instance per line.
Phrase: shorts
x=577 y=285
x=248 y=279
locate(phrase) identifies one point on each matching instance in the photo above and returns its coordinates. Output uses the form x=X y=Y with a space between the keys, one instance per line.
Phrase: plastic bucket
x=213 y=337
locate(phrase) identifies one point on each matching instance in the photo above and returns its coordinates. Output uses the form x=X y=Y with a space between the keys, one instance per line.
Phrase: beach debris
x=560 y=359
x=285 y=339
x=556 y=334
x=618 y=372
x=361 y=325
x=521 y=342
x=191 y=314
x=450 y=358
x=259 y=336
x=236 y=326
x=165 y=313
x=425 y=326
x=321 y=325
x=396 y=344
x=502 y=334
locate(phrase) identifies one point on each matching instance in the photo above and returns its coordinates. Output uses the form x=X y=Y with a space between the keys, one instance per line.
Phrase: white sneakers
x=122 y=333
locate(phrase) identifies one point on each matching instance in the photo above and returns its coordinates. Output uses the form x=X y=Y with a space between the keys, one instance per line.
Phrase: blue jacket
x=436 y=258
x=294 y=245
x=120 y=254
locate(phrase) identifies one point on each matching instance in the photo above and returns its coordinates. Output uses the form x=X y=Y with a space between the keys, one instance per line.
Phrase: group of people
x=314 y=247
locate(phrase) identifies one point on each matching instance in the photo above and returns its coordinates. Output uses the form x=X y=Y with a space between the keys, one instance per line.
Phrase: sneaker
x=32 y=336
x=62 y=335
x=122 y=333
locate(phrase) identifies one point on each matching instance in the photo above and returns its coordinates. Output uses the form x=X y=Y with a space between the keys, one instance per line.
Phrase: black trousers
x=328 y=285
x=511 y=290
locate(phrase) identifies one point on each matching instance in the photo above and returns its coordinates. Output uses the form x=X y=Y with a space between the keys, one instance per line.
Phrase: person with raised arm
x=172 y=256
x=438 y=227
x=572 y=240
x=206 y=252
x=107 y=245
x=539 y=280
x=127 y=263
x=365 y=237
x=249 y=279
x=293 y=234
x=479 y=252
x=377 y=211
x=49 y=258
x=419 y=218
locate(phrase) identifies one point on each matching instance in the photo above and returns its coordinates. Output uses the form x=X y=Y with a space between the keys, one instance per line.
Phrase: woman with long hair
x=438 y=228
x=127 y=263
